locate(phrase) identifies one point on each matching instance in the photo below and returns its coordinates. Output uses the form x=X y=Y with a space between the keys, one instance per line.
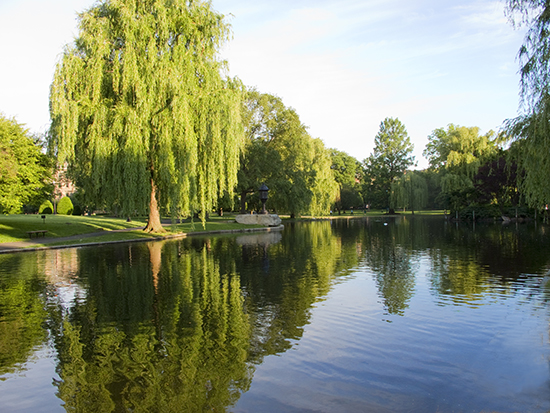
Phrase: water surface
x=377 y=315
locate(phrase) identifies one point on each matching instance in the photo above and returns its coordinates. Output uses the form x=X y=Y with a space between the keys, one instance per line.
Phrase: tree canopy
x=347 y=172
x=496 y=182
x=280 y=152
x=142 y=112
x=410 y=191
x=457 y=153
x=391 y=156
x=532 y=126
x=25 y=172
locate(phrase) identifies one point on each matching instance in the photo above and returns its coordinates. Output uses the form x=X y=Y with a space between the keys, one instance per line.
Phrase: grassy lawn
x=139 y=234
x=13 y=227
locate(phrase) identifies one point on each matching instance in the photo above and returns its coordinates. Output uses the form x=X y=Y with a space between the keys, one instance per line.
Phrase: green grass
x=140 y=235
x=13 y=228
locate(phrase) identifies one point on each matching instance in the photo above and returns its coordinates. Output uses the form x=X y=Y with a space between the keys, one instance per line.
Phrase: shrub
x=481 y=212
x=46 y=208
x=65 y=206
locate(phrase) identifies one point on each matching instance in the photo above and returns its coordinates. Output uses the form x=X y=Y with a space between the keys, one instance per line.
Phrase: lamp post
x=263 y=197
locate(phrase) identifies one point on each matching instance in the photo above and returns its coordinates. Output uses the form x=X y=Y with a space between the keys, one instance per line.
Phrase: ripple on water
x=443 y=354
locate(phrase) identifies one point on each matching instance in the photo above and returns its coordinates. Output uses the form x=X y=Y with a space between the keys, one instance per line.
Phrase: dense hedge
x=65 y=206
x=46 y=208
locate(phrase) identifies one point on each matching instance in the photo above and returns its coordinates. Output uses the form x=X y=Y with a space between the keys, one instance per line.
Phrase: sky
x=344 y=65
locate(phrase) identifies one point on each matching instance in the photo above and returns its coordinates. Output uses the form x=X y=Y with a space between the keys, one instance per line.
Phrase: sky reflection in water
x=417 y=315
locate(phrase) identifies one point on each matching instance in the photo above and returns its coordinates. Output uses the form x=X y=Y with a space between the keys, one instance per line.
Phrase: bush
x=65 y=206
x=46 y=208
x=482 y=212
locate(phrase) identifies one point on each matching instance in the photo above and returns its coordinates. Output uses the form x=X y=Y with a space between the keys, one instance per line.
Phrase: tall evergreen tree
x=141 y=111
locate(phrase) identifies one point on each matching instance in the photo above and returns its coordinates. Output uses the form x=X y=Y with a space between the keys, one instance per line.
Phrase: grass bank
x=13 y=228
x=91 y=229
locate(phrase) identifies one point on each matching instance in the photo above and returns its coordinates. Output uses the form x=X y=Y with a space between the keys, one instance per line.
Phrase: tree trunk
x=153 y=222
x=155 y=256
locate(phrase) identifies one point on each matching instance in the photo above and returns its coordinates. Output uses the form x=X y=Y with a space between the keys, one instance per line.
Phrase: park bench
x=37 y=233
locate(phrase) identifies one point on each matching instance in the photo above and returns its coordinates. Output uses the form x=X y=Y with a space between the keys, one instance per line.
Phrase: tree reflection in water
x=168 y=335
x=22 y=312
x=181 y=325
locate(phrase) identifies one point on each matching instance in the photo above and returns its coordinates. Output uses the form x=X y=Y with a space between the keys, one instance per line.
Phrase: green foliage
x=410 y=191
x=46 y=207
x=325 y=188
x=391 y=156
x=456 y=155
x=480 y=212
x=346 y=168
x=496 y=182
x=531 y=128
x=280 y=153
x=459 y=150
x=347 y=171
x=141 y=111
x=22 y=311
x=25 y=172
x=535 y=51
x=531 y=150
x=65 y=206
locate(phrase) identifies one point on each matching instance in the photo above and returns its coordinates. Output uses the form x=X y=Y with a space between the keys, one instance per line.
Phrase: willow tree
x=456 y=154
x=410 y=191
x=325 y=189
x=142 y=112
x=532 y=127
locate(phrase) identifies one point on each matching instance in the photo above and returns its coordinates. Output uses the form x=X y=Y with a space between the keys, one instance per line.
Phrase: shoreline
x=8 y=250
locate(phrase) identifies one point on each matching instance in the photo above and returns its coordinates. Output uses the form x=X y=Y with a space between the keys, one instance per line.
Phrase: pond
x=404 y=314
